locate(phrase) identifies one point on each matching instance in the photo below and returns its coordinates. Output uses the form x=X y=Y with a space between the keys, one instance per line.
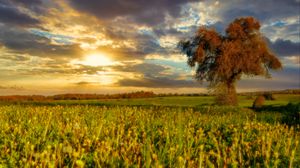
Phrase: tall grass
x=91 y=136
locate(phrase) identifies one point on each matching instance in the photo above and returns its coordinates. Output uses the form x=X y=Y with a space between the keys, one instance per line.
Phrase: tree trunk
x=227 y=94
x=231 y=94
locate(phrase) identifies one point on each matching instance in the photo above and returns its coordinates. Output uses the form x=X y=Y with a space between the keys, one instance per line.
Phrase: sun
x=96 y=59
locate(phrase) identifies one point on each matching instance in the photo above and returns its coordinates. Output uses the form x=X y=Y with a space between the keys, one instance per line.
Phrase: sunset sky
x=112 y=46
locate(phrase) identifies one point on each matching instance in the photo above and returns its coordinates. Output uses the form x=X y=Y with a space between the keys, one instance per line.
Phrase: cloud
x=131 y=41
x=141 y=68
x=144 y=12
x=84 y=83
x=285 y=47
x=268 y=12
x=23 y=41
x=11 y=15
x=158 y=82
x=292 y=60
x=264 y=11
x=14 y=57
x=39 y=39
x=287 y=78
x=11 y=87
x=33 y=5
x=61 y=70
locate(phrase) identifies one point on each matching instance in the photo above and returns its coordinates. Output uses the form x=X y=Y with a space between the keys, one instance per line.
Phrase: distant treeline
x=288 y=91
x=69 y=96
x=139 y=94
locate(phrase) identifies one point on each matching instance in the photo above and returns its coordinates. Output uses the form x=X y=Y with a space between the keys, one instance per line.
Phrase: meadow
x=150 y=132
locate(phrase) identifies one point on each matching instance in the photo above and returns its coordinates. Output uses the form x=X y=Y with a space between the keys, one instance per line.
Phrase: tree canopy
x=223 y=59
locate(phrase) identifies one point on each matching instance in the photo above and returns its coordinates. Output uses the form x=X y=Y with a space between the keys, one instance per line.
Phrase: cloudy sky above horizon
x=100 y=46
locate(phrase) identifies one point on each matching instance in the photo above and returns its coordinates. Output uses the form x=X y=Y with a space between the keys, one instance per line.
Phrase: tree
x=223 y=59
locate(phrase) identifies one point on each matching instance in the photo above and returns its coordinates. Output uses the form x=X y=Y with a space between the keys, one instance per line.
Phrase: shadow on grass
x=287 y=114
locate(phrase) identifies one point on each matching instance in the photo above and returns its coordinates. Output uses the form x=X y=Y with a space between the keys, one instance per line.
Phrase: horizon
x=57 y=47
x=206 y=92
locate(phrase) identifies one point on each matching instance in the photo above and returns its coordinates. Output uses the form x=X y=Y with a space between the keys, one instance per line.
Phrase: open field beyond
x=154 y=132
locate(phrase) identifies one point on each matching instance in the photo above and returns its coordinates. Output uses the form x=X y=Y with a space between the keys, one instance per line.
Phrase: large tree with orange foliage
x=223 y=59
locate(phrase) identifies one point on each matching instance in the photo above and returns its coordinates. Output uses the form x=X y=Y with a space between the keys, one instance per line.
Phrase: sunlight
x=97 y=59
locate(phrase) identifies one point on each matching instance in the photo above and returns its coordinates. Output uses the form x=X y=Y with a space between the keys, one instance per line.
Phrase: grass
x=156 y=132
x=178 y=101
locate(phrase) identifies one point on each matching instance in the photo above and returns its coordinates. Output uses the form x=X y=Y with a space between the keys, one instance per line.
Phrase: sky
x=114 y=46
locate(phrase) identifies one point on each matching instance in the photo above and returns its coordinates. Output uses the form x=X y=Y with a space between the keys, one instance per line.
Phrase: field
x=152 y=132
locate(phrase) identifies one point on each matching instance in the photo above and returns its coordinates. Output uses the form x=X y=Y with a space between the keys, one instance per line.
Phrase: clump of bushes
x=258 y=102
x=291 y=114
x=269 y=96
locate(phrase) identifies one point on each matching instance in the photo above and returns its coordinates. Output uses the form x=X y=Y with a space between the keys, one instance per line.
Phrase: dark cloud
x=28 y=3
x=158 y=82
x=10 y=14
x=141 y=11
x=266 y=10
x=287 y=78
x=142 y=45
x=23 y=41
x=285 y=47
x=160 y=31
